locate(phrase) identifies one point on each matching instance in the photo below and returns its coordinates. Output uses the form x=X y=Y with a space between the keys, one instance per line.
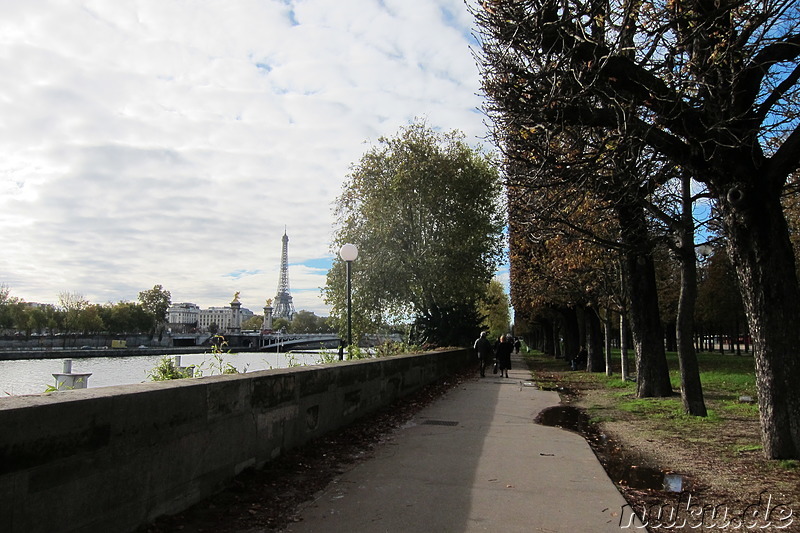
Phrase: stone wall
x=110 y=459
x=75 y=341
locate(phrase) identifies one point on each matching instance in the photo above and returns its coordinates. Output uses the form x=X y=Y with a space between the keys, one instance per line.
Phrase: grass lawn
x=725 y=379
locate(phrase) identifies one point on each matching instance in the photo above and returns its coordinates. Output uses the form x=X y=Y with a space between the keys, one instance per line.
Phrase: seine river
x=33 y=376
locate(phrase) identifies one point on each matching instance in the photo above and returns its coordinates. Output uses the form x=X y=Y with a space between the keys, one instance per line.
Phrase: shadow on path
x=474 y=460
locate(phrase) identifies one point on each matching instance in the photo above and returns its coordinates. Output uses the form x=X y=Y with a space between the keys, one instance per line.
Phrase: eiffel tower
x=284 y=308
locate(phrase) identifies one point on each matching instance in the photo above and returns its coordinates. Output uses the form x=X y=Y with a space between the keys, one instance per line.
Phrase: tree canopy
x=709 y=88
x=74 y=314
x=494 y=307
x=425 y=211
x=156 y=301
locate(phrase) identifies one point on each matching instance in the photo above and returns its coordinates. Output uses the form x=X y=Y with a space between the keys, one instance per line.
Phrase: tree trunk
x=583 y=335
x=594 y=340
x=671 y=336
x=691 y=388
x=759 y=247
x=607 y=332
x=548 y=338
x=557 y=348
x=571 y=332
x=652 y=373
x=623 y=346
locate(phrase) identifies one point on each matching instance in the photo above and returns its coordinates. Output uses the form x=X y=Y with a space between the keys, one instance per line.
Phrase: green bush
x=166 y=370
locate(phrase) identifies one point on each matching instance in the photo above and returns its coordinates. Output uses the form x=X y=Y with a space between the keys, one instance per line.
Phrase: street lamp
x=704 y=250
x=348 y=253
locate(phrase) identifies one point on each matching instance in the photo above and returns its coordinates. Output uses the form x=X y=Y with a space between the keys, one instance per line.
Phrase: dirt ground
x=725 y=486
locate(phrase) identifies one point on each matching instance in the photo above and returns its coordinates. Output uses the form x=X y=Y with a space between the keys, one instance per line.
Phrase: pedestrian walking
x=484 y=350
x=503 y=351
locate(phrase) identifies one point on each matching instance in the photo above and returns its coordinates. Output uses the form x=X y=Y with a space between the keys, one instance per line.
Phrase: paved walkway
x=474 y=461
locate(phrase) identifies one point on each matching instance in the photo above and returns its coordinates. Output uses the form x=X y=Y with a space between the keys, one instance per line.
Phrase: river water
x=33 y=376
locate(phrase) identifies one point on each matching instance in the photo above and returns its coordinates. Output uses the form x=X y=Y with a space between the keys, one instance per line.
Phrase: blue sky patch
x=241 y=273
x=322 y=263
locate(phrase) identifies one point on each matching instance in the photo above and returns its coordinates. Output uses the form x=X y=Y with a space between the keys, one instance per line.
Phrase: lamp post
x=348 y=253
x=704 y=251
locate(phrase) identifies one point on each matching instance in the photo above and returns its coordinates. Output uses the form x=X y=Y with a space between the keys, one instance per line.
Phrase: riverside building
x=189 y=318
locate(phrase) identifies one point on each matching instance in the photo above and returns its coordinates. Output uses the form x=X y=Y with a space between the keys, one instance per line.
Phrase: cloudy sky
x=170 y=142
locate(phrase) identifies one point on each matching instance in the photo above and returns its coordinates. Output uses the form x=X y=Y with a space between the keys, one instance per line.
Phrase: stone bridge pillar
x=267 y=326
x=236 y=315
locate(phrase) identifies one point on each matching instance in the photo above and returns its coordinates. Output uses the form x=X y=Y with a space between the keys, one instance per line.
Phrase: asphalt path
x=472 y=461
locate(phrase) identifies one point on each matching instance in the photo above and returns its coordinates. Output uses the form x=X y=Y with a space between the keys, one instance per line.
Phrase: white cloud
x=171 y=141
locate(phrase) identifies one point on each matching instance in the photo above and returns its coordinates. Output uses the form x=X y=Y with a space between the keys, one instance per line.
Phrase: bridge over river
x=286 y=342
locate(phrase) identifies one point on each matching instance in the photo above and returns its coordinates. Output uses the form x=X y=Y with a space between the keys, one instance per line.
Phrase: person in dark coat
x=503 y=354
x=580 y=359
x=484 y=350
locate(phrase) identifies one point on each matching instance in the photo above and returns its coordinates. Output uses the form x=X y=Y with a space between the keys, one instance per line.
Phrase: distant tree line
x=74 y=314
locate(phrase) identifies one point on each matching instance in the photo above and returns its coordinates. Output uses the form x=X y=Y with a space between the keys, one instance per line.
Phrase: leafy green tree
x=72 y=304
x=89 y=320
x=253 y=323
x=308 y=322
x=156 y=302
x=54 y=318
x=425 y=211
x=37 y=318
x=494 y=308
x=279 y=324
x=19 y=315
x=7 y=303
x=126 y=317
x=303 y=322
x=16 y=314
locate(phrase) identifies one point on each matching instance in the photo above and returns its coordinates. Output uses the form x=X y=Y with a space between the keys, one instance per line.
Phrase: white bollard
x=69 y=380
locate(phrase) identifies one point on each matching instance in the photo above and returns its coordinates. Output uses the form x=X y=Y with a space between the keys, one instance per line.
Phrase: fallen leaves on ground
x=267 y=499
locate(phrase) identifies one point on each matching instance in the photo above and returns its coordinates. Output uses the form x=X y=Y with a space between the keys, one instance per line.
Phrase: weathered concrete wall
x=110 y=459
x=17 y=355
